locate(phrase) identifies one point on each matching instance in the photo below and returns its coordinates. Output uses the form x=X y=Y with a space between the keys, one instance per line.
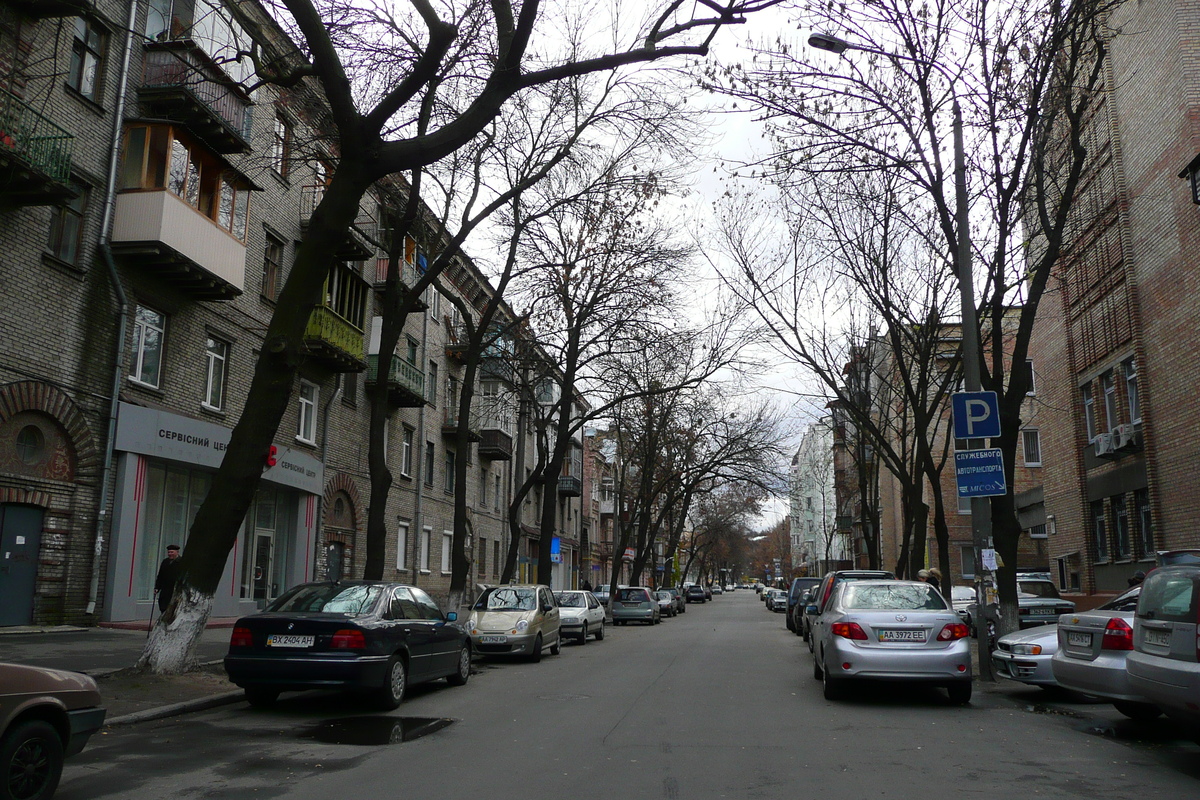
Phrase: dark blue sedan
x=370 y=636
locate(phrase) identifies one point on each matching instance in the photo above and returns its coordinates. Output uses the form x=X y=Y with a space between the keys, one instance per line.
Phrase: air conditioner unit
x=1103 y=444
x=1124 y=436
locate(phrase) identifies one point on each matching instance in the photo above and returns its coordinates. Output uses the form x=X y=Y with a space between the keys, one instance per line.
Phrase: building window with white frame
x=432 y=390
x=1089 y=410
x=447 y=546
x=496 y=496
x=1110 y=400
x=1031 y=439
x=306 y=425
x=1031 y=376
x=402 y=547
x=281 y=146
x=1131 y=390
x=216 y=355
x=406 y=452
x=483 y=488
x=149 y=340
x=1099 y=532
x=426 y=539
x=1038 y=531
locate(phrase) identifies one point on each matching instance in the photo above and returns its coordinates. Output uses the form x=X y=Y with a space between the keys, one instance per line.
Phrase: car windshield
x=570 y=599
x=1126 y=601
x=663 y=595
x=506 y=598
x=1043 y=589
x=330 y=598
x=900 y=596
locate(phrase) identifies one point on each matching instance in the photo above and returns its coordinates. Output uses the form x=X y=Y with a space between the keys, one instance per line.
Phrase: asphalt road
x=717 y=703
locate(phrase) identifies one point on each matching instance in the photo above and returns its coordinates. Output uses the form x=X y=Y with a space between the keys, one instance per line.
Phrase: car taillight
x=955 y=630
x=348 y=640
x=241 y=638
x=1117 y=635
x=848 y=630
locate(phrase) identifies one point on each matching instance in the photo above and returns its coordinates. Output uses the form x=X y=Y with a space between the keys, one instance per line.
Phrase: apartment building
x=816 y=542
x=148 y=218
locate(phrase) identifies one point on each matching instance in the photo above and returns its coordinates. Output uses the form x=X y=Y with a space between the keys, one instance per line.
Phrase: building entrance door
x=20 y=538
x=264 y=547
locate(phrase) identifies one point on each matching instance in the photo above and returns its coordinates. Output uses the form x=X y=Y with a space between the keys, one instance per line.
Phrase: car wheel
x=31 y=761
x=536 y=655
x=261 y=697
x=960 y=693
x=803 y=633
x=791 y=626
x=1142 y=712
x=600 y=633
x=395 y=681
x=459 y=677
x=583 y=636
x=556 y=648
x=831 y=687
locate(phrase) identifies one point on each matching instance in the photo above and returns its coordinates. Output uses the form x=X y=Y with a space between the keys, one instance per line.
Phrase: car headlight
x=472 y=623
x=523 y=625
x=1027 y=649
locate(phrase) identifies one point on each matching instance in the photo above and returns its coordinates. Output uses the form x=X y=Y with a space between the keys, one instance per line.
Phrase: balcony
x=181 y=83
x=35 y=157
x=450 y=424
x=408 y=279
x=332 y=340
x=495 y=444
x=355 y=246
x=174 y=241
x=607 y=507
x=570 y=486
x=405 y=383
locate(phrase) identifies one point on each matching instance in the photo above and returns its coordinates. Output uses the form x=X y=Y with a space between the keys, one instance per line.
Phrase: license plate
x=493 y=640
x=1160 y=638
x=901 y=636
x=288 y=640
x=1043 y=612
x=1079 y=639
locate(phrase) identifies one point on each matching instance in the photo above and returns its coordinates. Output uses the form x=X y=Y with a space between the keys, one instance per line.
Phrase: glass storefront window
x=172 y=498
x=266 y=550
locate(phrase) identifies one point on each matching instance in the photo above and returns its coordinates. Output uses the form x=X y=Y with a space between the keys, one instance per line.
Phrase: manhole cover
x=374 y=730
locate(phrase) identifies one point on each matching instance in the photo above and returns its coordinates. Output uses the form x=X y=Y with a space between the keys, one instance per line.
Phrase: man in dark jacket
x=168 y=573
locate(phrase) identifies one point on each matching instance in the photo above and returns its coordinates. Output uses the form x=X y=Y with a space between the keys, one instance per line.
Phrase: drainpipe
x=417 y=528
x=337 y=395
x=105 y=238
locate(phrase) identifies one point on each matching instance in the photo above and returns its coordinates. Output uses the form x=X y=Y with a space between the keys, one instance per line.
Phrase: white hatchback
x=580 y=615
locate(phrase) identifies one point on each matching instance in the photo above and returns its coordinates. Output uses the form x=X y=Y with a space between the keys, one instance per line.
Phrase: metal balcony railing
x=400 y=373
x=184 y=66
x=33 y=138
x=326 y=326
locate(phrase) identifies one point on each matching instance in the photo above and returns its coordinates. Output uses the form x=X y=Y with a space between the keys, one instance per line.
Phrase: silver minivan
x=1164 y=666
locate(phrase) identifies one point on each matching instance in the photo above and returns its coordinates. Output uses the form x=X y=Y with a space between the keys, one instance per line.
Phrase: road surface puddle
x=374 y=730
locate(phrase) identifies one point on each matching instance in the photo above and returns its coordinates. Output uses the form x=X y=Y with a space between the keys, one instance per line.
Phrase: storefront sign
x=161 y=434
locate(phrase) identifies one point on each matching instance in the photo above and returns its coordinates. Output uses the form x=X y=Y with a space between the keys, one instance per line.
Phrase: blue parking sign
x=976 y=415
x=980 y=473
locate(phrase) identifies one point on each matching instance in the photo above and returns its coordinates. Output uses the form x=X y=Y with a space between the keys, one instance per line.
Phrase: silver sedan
x=1024 y=656
x=891 y=630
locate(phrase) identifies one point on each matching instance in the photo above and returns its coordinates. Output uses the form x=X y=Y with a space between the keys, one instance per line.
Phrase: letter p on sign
x=976 y=415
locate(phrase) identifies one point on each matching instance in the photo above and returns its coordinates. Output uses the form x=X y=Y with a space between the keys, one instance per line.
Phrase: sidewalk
x=108 y=655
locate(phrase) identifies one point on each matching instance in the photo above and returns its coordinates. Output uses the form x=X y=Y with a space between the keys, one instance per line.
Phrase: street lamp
x=981 y=516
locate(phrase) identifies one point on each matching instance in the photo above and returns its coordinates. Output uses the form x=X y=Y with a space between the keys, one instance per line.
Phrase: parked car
x=520 y=619
x=580 y=615
x=831 y=581
x=729 y=587
x=1024 y=656
x=1164 y=665
x=716 y=589
x=708 y=593
x=1038 y=603
x=891 y=630
x=798 y=587
x=694 y=594
x=666 y=604
x=635 y=604
x=678 y=599
x=46 y=715
x=962 y=598
x=372 y=635
x=775 y=596
x=601 y=594
x=1092 y=648
x=1171 y=558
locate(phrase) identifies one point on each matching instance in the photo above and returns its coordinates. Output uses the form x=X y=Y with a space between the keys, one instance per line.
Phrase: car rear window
x=505 y=598
x=1123 y=602
x=329 y=598
x=901 y=596
x=1044 y=589
x=1168 y=597
x=631 y=595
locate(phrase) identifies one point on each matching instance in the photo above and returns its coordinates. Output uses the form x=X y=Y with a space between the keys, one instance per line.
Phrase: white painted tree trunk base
x=172 y=642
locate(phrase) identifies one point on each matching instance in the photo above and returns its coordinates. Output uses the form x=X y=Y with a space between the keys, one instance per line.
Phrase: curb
x=19 y=629
x=199 y=704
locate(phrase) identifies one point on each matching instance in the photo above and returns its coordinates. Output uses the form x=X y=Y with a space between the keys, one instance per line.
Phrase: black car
x=696 y=594
x=794 y=610
x=360 y=635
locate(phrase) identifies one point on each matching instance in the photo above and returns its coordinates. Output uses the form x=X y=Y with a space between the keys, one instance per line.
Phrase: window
x=1123 y=549
x=447 y=546
x=496 y=558
x=496 y=493
x=350 y=388
x=306 y=427
x=964 y=505
x=426 y=538
x=1031 y=376
x=1131 y=390
x=1110 y=400
x=216 y=354
x=1141 y=501
x=162 y=156
x=402 y=546
x=410 y=350
x=272 y=268
x=149 y=335
x=1038 y=531
x=429 y=463
x=483 y=488
x=1089 y=411
x=433 y=298
x=966 y=564
x=432 y=388
x=387 y=434
x=281 y=146
x=1099 y=531
x=449 y=475
x=451 y=395
x=481 y=562
x=406 y=452
x=346 y=294
x=85 y=59
x=1032 y=441
x=66 y=226
x=169 y=20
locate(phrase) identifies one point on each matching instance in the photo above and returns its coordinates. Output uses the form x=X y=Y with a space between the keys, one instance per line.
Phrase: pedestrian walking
x=587 y=585
x=168 y=574
x=935 y=578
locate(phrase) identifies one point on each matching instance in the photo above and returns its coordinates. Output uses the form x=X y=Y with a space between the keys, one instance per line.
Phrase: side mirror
x=810 y=609
x=451 y=616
